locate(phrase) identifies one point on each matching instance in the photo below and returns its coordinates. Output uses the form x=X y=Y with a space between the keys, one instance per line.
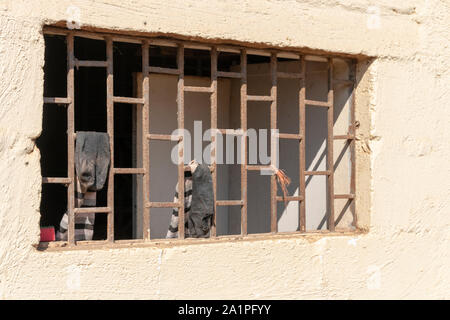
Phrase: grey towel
x=202 y=205
x=92 y=157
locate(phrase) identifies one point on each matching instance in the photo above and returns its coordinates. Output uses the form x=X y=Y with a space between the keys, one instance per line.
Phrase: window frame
x=144 y=102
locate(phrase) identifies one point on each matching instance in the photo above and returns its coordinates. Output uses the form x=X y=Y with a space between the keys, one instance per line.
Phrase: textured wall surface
x=403 y=152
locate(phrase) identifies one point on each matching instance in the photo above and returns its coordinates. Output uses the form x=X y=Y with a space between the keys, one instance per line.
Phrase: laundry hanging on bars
x=198 y=203
x=92 y=159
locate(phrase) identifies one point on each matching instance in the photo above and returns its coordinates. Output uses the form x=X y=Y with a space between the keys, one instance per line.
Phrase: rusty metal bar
x=224 y=74
x=258 y=167
x=260 y=98
x=145 y=142
x=56 y=100
x=330 y=142
x=93 y=210
x=180 y=120
x=344 y=196
x=198 y=89
x=273 y=144
x=129 y=170
x=234 y=132
x=213 y=98
x=302 y=148
x=133 y=38
x=313 y=103
x=290 y=198
x=155 y=204
x=128 y=100
x=91 y=63
x=110 y=129
x=163 y=70
x=292 y=136
x=224 y=203
x=56 y=180
x=353 y=142
x=164 y=137
x=70 y=140
x=244 y=142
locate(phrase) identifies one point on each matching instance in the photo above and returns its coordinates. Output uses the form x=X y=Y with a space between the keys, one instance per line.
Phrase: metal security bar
x=144 y=103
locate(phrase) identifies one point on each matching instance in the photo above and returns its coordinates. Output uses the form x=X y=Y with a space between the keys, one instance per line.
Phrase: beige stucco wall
x=403 y=170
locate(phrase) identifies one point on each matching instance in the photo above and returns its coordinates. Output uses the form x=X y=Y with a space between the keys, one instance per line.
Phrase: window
x=140 y=90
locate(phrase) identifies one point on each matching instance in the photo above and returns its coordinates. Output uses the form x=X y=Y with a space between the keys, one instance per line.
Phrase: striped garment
x=84 y=222
x=173 y=226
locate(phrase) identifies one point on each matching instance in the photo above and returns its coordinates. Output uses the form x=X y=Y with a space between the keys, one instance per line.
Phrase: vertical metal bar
x=353 y=141
x=302 y=156
x=244 y=141
x=180 y=119
x=213 y=130
x=70 y=138
x=110 y=129
x=273 y=144
x=145 y=142
x=330 y=142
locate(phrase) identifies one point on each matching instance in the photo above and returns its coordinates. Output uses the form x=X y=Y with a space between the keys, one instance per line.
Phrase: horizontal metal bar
x=162 y=205
x=317 y=103
x=128 y=100
x=289 y=75
x=288 y=55
x=92 y=210
x=344 y=137
x=344 y=196
x=317 y=173
x=290 y=136
x=198 y=89
x=129 y=170
x=126 y=39
x=259 y=98
x=291 y=198
x=258 y=168
x=57 y=180
x=57 y=100
x=164 y=137
x=163 y=70
x=234 y=132
x=315 y=58
x=229 y=49
x=133 y=38
x=196 y=46
x=91 y=63
x=259 y=52
x=229 y=203
x=77 y=33
x=224 y=74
